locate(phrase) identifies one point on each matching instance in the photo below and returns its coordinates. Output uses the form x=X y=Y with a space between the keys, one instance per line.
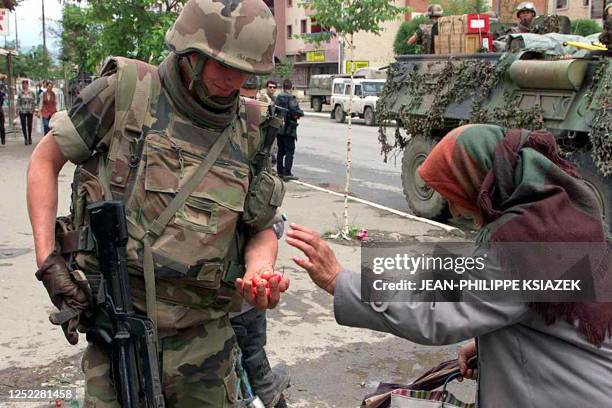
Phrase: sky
x=29 y=23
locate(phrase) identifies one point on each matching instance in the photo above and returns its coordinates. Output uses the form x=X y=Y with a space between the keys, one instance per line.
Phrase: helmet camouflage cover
x=435 y=10
x=238 y=33
x=526 y=6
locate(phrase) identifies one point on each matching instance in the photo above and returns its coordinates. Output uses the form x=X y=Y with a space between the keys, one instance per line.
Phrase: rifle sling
x=156 y=228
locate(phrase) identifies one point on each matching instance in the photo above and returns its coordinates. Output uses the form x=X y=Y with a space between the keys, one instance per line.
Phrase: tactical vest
x=427 y=35
x=196 y=250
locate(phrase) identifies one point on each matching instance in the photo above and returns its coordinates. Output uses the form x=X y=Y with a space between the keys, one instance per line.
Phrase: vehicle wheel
x=601 y=186
x=368 y=115
x=317 y=104
x=422 y=199
x=339 y=114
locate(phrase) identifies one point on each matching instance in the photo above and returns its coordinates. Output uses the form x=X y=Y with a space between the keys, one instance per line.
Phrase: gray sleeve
x=422 y=322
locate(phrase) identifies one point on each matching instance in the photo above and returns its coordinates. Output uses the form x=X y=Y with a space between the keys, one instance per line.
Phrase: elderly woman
x=518 y=189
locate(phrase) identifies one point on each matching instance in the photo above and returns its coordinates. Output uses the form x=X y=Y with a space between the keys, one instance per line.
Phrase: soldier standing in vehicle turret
x=424 y=35
x=525 y=12
x=142 y=134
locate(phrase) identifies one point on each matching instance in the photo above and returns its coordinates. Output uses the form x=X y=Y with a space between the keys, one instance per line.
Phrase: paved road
x=321 y=154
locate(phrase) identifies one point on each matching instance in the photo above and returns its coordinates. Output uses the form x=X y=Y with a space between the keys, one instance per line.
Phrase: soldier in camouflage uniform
x=138 y=134
x=424 y=35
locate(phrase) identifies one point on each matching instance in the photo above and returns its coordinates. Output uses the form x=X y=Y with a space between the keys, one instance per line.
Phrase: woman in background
x=48 y=106
x=26 y=107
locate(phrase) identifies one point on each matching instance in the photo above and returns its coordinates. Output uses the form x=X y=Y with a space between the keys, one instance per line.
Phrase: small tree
x=285 y=68
x=585 y=27
x=344 y=19
x=400 y=44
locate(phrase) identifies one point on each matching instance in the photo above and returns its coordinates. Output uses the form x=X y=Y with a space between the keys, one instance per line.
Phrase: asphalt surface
x=321 y=156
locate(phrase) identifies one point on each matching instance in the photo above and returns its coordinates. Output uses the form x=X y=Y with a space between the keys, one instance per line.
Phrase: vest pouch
x=266 y=193
x=194 y=244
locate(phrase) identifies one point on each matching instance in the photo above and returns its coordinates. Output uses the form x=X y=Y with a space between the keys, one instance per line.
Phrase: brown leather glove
x=69 y=292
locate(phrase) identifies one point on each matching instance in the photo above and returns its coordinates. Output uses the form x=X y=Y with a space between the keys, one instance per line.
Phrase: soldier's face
x=525 y=17
x=221 y=80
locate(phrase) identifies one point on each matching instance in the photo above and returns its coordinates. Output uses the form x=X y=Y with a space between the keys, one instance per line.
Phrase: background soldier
x=525 y=12
x=183 y=269
x=606 y=36
x=287 y=135
x=424 y=35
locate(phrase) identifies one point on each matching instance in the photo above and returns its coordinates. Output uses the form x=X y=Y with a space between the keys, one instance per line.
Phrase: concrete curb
x=317 y=114
x=447 y=228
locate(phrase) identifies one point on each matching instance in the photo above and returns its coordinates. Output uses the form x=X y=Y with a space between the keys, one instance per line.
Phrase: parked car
x=366 y=93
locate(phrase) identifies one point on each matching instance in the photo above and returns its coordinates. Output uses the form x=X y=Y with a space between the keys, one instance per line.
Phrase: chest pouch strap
x=156 y=228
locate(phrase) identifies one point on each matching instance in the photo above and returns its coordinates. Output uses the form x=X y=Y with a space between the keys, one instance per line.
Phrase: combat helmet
x=240 y=34
x=526 y=6
x=435 y=10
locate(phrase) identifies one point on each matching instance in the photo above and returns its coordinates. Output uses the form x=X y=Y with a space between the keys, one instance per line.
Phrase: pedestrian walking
x=199 y=215
x=2 y=129
x=287 y=134
x=26 y=107
x=47 y=106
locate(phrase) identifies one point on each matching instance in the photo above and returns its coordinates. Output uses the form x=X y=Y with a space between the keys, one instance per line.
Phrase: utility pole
x=44 y=32
x=16 y=32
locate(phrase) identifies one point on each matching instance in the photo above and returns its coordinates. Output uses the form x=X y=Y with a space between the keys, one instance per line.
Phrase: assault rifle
x=132 y=338
x=273 y=122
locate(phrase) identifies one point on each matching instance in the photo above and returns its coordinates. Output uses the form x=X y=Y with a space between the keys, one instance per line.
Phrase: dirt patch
x=64 y=372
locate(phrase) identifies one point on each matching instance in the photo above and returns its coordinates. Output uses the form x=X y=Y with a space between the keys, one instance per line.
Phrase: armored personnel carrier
x=428 y=95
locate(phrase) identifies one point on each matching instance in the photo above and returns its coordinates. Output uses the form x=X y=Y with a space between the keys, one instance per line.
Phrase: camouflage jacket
x=190 y=254
x=425 y=36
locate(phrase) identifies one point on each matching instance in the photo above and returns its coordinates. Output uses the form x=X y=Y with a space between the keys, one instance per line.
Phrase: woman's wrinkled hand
x=465 y=353
x=320 y=263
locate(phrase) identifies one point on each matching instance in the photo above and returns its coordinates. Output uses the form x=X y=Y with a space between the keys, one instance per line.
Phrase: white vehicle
x=366 y=93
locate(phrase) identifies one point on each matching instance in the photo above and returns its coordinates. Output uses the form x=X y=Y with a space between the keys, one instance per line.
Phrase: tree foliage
x=458 y=7
x=400 y=44
x=9 y=4
x=131 y=28
x=285 y=68
x=585 y=27
x=347 y=17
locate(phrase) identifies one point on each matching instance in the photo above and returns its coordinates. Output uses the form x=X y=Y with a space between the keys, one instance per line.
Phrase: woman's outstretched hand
x=320 y=263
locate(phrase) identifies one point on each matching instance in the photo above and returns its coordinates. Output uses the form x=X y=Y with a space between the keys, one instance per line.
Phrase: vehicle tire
x=601 y=186
x=339 y=114
x=422 y=199
x=368 y=115
x=317 y=104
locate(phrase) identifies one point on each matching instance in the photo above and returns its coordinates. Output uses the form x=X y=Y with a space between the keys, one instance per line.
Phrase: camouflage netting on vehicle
x=601 y=126
x=452 y=82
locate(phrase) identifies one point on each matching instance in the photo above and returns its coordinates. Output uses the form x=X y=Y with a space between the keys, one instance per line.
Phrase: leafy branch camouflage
x=601 y=126
x=453 y=82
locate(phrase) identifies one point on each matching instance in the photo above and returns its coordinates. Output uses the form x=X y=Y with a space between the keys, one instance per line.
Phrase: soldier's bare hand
x=321 y=263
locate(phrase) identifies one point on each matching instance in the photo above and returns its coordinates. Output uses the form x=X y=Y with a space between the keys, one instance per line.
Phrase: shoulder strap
x=138 y=86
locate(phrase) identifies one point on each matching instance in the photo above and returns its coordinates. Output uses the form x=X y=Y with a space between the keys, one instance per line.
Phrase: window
x=315 y=27
x=289 y=3
x=373 y=87
x=337 y=88
x=289 y=32
x=347 y=89
x=304 y=26
x=562 y=4
x=586 y=3
x=357 y=90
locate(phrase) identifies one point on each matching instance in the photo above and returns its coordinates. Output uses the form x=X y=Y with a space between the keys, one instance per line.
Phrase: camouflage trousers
x=198 y=369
